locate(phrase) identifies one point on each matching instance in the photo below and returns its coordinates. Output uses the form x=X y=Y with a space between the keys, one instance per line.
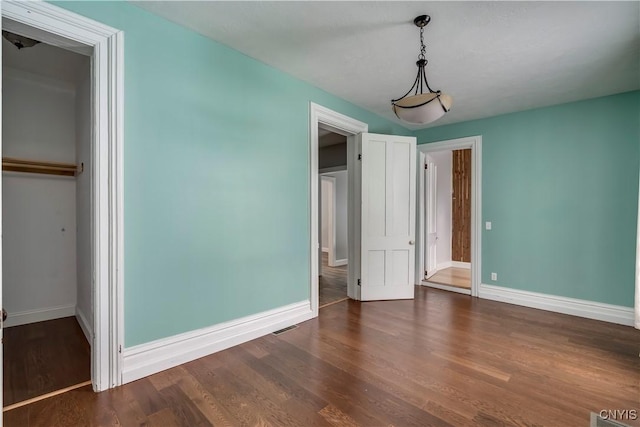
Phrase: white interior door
x=327 y=216
x=430 y=213
x=388 y=216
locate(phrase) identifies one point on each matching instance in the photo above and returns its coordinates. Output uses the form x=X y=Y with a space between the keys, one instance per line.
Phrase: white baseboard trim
x=458 y=264
x=146 y=359
x=576 y=307
x=447 y=288
x=339 y=263
x=443 y=265
x=39 y=315
x=84 y=325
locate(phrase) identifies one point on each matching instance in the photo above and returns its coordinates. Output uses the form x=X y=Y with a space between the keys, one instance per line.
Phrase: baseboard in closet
x=454 y=264
x=39 y=315
x=84 y=325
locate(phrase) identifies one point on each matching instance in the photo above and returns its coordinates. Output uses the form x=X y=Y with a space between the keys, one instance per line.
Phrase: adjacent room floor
x=453 y=276
x=333 y=283
x=42 y=357
x=441 y=359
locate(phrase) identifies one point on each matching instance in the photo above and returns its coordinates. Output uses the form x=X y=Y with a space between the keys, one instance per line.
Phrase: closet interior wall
x=46 y=256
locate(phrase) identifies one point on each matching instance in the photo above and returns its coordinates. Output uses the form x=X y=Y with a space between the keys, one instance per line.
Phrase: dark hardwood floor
x=333 y=282
x=442 y=359
x=43 y=357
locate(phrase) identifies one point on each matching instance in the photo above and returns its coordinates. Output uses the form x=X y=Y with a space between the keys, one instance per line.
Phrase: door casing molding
x=343 y=125
x=475 y=144
x=105 y=45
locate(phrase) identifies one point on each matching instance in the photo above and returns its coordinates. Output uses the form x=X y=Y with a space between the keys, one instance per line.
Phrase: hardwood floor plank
x=215 y=412
x=471 y=364
x=410 y=386
x=300 y=374
x=127 y=409
x=448 y=411
x=44 y=396
x=453 y=276
x=58 y=412
x=268 y=407
x=255 y=349
x=332 y=283
x=301 y=412
x=163 y=418
x=241 y=408
x=147 y=396
x=43 y=357
x=167 y=378
x=310 y=401
x=353 y=392
x=17 y=417
x=239 y=364
x=336 y=417
x=238 y=375
x=437 y=381
x=185 y=413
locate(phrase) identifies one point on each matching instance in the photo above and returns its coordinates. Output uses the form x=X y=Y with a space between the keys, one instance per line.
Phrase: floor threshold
x=45 y=396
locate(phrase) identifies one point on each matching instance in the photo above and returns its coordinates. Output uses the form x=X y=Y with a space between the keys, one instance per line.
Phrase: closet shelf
x=34 y=166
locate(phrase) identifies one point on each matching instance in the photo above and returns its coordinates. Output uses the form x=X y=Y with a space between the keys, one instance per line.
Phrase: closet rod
x=34 y=166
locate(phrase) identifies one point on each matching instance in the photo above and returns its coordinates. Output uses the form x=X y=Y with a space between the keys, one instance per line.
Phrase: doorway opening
x=334 y=237
x=449 y=205
x=46 y=228
x=325 y=121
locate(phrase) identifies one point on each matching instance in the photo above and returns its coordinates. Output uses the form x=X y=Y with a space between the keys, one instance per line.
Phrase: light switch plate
x=487 y=225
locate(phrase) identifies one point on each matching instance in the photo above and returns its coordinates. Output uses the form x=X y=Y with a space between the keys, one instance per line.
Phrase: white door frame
x=343 y=125
x=66 y=29
x=330 y=244
x=424 y=210
x=475 y=144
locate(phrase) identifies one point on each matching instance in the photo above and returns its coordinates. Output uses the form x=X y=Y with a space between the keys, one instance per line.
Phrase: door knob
x=4 y=314
x=411 y=242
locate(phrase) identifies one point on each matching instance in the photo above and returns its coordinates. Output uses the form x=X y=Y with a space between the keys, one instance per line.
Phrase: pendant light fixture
x=421 y=107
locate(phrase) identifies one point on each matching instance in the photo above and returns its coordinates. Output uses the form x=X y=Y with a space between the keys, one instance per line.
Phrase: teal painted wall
x=216 y=177
x=560 y=186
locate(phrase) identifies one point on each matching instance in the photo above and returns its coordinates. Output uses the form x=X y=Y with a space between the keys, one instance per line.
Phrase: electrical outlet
x=494 y=276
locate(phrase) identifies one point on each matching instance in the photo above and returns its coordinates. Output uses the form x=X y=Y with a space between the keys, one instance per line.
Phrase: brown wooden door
x=461 y=206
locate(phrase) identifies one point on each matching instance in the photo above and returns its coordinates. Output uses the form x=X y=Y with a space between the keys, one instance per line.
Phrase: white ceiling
x=492 y=57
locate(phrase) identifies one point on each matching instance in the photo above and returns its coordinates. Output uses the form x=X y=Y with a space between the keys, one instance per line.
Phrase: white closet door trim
x=62 y=28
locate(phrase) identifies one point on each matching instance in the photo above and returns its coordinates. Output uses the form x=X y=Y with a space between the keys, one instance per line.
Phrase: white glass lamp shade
x=429 y=112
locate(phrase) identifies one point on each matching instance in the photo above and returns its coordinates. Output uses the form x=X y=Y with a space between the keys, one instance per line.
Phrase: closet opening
x=47 y=243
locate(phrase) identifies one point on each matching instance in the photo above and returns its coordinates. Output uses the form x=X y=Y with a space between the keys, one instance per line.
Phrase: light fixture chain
x=423 y=48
